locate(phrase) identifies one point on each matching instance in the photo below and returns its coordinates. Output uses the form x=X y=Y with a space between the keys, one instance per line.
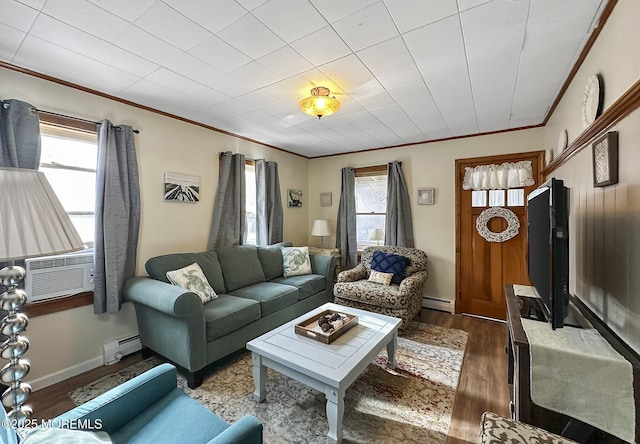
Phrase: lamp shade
x=319 y=104
x=320 y=228
x=32 y=219
x=377 y=234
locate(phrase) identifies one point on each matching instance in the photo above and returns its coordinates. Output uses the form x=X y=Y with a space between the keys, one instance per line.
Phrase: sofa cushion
x=271 y=295
x=295 y=261
x=172 y=419
x=372 y=294
x=228 y=313
x=307 y=284
x=390 y=263
x=241 y=266
x=158 y=266
x=271 y=259
x=193 y=279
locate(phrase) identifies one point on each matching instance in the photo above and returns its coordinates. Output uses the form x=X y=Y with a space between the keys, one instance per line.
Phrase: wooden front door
x=482 y=267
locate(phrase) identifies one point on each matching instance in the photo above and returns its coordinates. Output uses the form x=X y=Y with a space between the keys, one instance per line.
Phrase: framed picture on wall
x=426 y=196
x=294 y=198
x=181 y=188
x=605 y=160
x=325 y=199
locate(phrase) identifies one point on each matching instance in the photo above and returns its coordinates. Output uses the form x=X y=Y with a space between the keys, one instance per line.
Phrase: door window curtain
x=346 y=239
x=498 y=177
x=19 y=135
x=117 y=215
x=269 y=203
x=229 y=211
x=398 y=224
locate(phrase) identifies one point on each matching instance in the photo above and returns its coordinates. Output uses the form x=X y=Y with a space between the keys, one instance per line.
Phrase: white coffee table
x=328 y=368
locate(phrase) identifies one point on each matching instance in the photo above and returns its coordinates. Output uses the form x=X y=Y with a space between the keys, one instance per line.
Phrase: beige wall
x=425 y=165
x=615 y=57
x=72 y=340
x=605 y=222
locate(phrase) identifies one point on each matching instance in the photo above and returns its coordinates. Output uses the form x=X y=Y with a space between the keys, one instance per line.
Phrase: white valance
x=499 y=177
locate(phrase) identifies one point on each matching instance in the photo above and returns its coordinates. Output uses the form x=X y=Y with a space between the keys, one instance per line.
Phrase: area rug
x=411 y=404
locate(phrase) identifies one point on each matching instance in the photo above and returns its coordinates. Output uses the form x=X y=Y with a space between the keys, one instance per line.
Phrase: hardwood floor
x=483 y=380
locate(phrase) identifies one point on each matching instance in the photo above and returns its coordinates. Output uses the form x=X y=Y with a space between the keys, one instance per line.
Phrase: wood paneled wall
x=605 y=233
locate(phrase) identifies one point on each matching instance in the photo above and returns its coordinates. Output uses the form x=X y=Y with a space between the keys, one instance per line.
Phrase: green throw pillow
x=295 y=261
x=193 y=279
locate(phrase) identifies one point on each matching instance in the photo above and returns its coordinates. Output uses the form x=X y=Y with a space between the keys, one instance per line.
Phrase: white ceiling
x=405 y=71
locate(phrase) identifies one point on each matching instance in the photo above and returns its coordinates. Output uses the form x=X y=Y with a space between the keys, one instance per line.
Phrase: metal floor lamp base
x=14 y=323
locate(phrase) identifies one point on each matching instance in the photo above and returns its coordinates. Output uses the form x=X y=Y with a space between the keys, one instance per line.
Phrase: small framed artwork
x=426 y=196
x=294 y=198
x=325 y=199
x=605 y=160
x=181 y=188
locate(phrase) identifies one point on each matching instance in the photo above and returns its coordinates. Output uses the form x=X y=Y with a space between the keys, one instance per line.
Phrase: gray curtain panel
x=228 y=220
x=269 y=203
x=19 y=135
x=346 y=239
x=398 y=224
x=117 y=215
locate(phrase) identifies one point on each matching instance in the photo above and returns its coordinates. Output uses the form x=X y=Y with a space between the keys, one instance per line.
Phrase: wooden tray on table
x=311 y=329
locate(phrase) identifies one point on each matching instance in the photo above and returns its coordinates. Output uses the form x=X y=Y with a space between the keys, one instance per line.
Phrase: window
x=68 y=160
x=371 y=205
x=250 y=202
x=496 y=198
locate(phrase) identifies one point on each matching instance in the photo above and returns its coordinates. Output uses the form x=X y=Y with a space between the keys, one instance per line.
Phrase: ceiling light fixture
x=319 y=103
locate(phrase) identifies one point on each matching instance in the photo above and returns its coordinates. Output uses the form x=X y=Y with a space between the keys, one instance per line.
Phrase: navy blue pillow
x=390 y=263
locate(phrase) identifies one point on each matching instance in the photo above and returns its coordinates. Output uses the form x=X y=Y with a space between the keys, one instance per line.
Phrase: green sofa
x=253 y=298
x=148 y=409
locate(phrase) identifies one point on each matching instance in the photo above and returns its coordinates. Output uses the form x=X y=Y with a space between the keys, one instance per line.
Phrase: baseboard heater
x=439 y=304
x=114 y=351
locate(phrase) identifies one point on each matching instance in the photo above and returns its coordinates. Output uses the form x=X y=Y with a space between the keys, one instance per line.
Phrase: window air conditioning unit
x=62 y=275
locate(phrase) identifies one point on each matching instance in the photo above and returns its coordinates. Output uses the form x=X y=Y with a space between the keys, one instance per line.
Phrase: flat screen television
x=548 y=223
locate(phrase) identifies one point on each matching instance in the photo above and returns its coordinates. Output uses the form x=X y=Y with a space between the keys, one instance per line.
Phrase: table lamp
x=321 y=228
x=377 y=236
x=32 y=223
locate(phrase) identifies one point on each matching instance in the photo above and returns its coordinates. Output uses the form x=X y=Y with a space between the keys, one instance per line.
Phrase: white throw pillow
x=295 y=261
x=193 y=279
x=380 y=278
x=54 y=435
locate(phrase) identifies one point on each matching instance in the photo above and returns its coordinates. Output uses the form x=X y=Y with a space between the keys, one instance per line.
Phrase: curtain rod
x=72 y=118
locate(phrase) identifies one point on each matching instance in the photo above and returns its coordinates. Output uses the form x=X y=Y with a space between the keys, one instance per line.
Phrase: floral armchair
x=404 y=301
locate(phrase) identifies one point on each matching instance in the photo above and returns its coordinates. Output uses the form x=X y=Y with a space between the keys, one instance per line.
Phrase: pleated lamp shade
x=32 y=219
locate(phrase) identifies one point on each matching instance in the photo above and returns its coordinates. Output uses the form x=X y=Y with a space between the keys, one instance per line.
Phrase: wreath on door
x=513 y=224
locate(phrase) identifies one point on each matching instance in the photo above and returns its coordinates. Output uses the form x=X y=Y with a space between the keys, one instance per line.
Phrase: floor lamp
x=32 y=223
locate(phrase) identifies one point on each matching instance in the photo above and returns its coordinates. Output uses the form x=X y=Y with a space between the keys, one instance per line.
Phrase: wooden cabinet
x=518 y=376
x=518 y=365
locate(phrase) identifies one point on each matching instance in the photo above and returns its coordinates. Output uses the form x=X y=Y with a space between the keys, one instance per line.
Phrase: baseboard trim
x=439 y=304
x=70 y=372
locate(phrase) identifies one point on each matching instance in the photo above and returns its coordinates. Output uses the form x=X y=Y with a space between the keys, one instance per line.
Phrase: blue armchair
x=152 y=409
